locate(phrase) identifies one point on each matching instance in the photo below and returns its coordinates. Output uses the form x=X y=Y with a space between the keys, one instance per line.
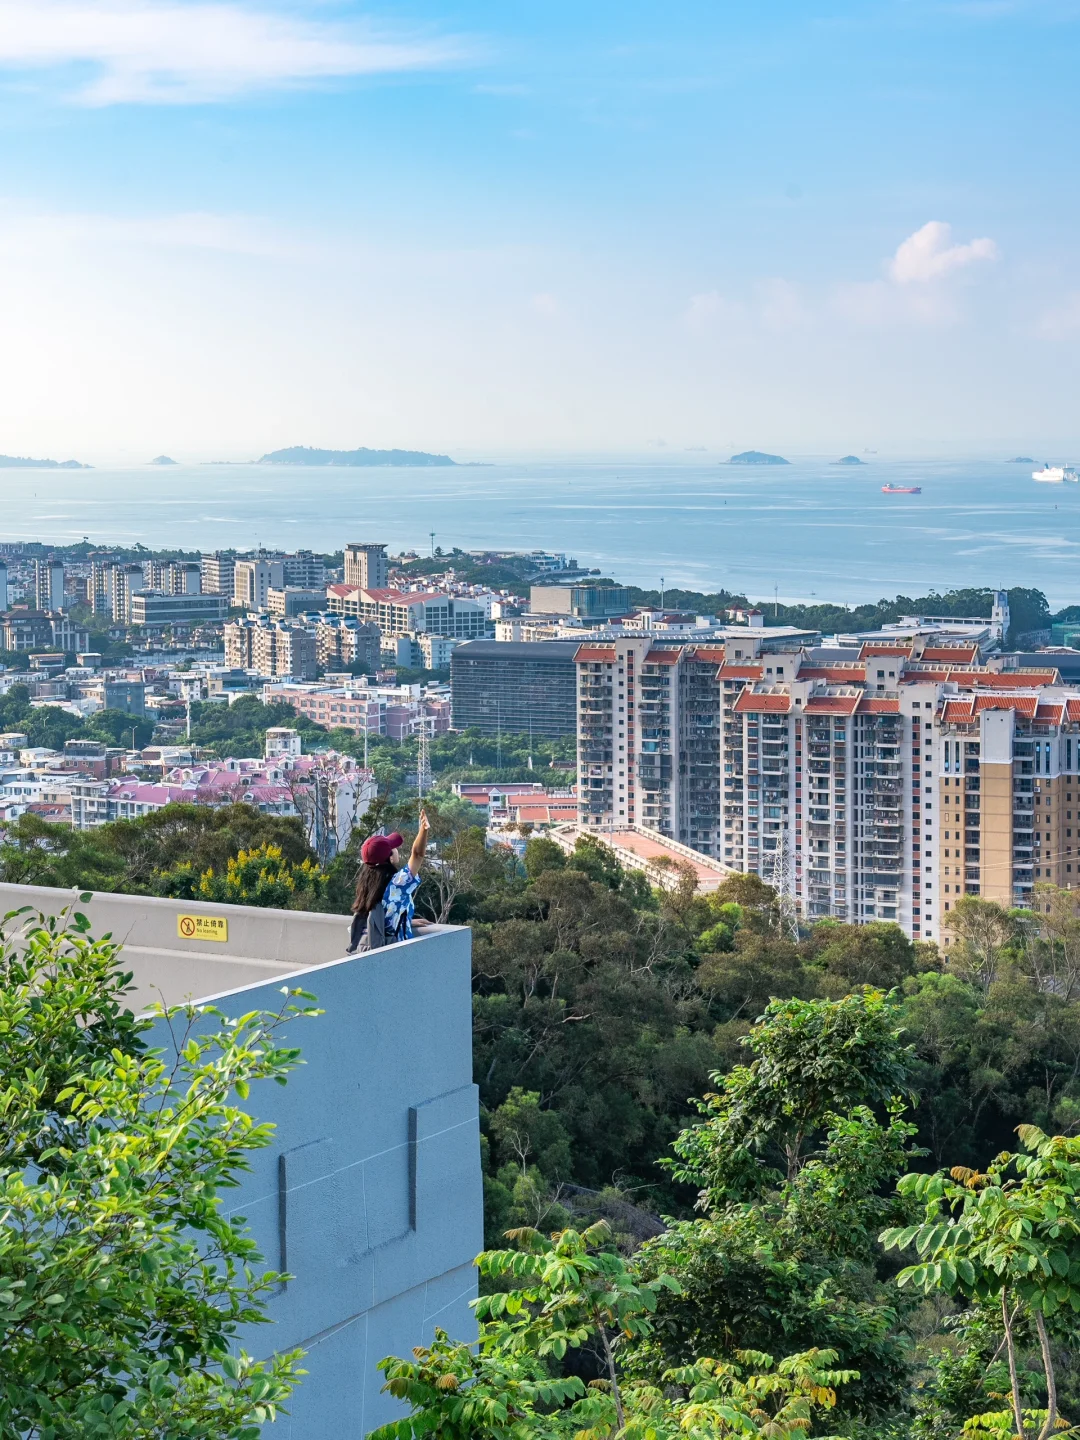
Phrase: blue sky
x=546 y=227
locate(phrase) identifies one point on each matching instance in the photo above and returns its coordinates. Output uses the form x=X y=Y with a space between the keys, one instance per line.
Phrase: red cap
x=377 y=849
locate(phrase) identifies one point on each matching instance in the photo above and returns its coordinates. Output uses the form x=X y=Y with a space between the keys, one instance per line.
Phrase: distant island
x=20 y=462
x=1020 y=460
x=305 y=455
x=849 y=460
x=757 y=457
x=163 y=460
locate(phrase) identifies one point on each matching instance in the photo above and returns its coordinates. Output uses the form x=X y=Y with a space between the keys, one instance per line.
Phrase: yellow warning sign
x=202 y=927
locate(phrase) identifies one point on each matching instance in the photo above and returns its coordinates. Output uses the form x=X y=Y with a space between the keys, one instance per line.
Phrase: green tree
x=1011 y=1235
x=813 y=1059
x=567 y=1292
x=254 y=877
x=123 y=1286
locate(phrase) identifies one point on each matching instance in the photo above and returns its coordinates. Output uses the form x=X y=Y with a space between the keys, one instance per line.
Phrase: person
x=384 y=909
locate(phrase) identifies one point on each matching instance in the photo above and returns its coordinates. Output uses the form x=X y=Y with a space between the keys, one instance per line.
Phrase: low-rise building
x=401 y=612
x=396 y=711
x=295 y=600
x=159 y=608
x=329 y=792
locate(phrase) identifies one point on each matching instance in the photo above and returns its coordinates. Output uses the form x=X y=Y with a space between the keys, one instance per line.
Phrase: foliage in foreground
x=123 y=1287
x=556 y=1296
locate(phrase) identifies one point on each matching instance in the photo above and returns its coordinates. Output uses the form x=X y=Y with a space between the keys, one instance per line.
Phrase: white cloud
x=928 y=255
x=173 y=53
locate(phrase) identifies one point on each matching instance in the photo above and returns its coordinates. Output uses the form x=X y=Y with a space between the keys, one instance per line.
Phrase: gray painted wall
x=167 y=969
x=371 y=1192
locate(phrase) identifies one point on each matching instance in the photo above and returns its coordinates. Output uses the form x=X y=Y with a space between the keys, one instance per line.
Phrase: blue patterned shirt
x=399 y=905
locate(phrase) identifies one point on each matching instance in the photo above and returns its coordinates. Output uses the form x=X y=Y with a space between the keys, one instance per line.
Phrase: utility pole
x=432 y=533
x=661 y=592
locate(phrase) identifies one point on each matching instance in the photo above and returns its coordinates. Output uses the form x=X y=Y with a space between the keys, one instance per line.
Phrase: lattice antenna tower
x=781 y=879
x=423 y=761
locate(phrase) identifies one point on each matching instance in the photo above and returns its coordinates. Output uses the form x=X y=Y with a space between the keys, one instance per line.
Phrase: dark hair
x=371 y=883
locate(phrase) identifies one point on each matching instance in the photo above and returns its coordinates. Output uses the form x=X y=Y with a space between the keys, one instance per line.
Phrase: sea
x=808 y=531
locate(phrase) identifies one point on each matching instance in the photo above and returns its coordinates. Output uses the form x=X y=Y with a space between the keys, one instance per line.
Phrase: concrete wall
x=261 y=943
x=370 y=1194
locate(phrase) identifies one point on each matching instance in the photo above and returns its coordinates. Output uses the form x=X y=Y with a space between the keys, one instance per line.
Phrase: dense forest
x=727 y=1110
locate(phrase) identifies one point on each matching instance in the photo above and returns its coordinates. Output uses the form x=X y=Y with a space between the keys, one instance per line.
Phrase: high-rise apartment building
x=3 y=586
x=218 y=571
x=271 y=647
x=173 y=577
x=49 y=584
x=881 y=786
x=304 y=570
x=344 y=643
x=99 y=589
x=253 y=579
x=366 y=566
x=124 y=581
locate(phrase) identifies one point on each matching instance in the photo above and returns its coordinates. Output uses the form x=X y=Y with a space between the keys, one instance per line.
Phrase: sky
x=538 y=228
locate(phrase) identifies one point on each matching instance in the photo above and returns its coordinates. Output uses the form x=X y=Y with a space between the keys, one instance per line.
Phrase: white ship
x=1055 y=474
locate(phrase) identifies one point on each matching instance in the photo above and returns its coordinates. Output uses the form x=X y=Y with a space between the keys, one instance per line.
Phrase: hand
x=425 y=823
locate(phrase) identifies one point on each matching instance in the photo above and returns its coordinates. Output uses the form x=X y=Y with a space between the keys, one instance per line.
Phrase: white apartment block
x=886 y=784
x=401 y=612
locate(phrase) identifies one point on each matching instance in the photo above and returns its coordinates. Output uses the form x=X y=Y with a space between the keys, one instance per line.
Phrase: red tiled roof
x=916 y=674
x=831 y=705
x=342 y=589
x=883 y=647
x=741 y=672
x=845 y=673
x=748 y=701
x=954 y=653
x=710 y=654
x=1072 y=708
x=1006 y=679
x=1025 y=704
x=402 y=597
x=594 y=652
x=1050 y=714
x=957 y=711
x=878 y=705
x=662 y=657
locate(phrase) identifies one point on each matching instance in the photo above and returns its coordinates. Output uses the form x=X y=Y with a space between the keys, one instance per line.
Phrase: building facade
x=507 y=687
x=402 y=612
x=49 y=584
x=253 y=579
x=218 y=573
x=271 y=647
x=156 y=607
x=880 y=786
x=366 y=566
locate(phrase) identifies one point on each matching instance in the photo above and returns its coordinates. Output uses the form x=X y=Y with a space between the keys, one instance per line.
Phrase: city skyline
x=228 y=227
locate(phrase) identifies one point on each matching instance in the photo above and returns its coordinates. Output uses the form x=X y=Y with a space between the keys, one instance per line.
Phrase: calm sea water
x=809 y=530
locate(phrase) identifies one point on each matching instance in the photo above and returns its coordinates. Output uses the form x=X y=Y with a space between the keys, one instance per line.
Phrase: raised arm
x=419 y=848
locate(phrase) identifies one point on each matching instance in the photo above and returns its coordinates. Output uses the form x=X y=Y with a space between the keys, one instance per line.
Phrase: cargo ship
x=1054 y=474
x=901 y=489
